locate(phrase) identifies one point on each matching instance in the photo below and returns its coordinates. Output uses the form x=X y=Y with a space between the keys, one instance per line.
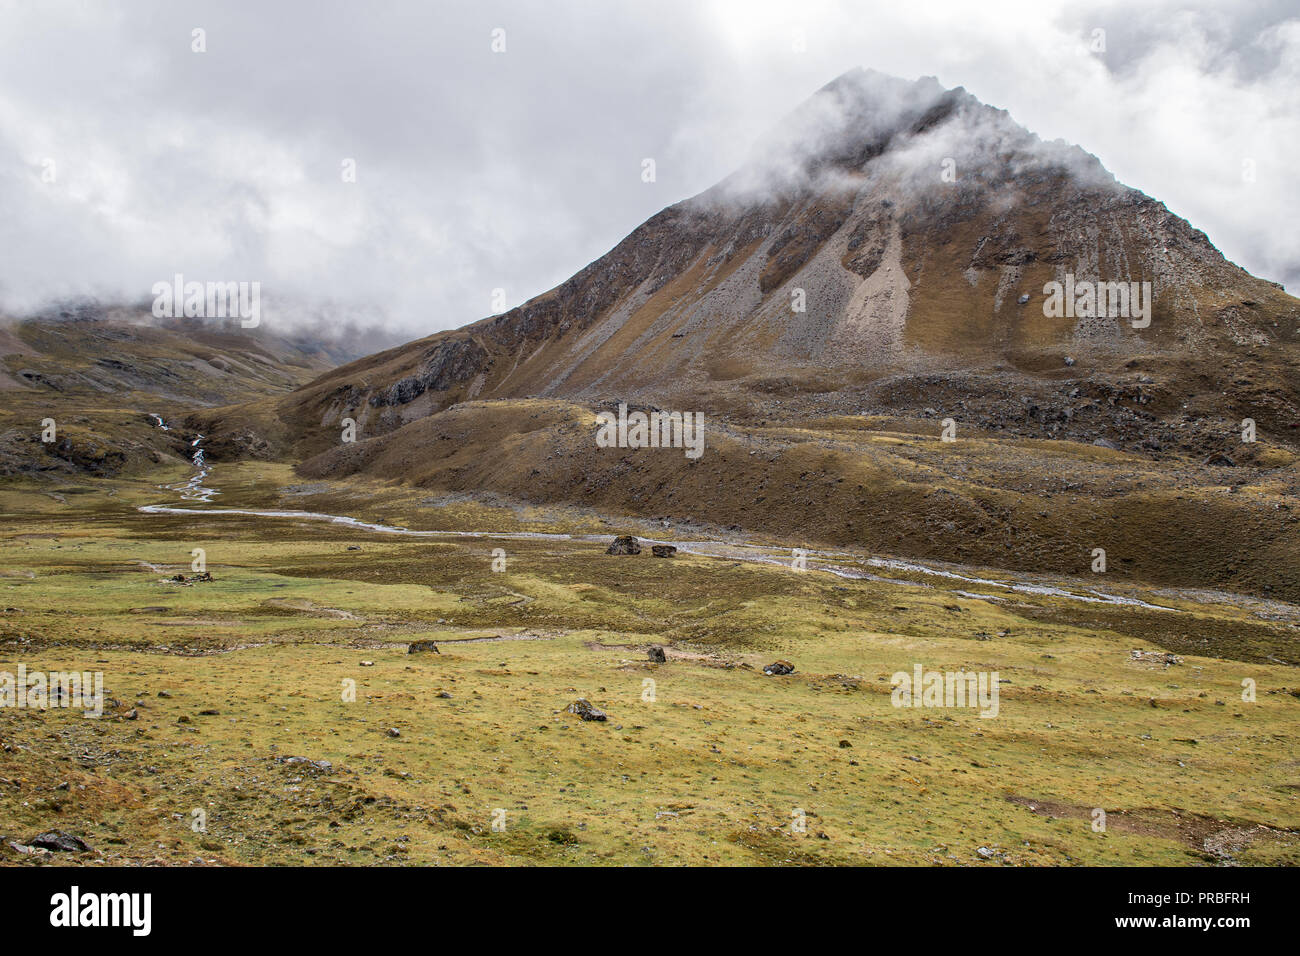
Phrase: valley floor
x=218 y=688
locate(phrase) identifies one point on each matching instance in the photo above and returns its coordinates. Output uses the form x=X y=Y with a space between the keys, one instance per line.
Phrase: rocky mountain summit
x=885 y=233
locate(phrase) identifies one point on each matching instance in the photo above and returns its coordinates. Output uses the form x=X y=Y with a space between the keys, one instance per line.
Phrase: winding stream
x=840 y=563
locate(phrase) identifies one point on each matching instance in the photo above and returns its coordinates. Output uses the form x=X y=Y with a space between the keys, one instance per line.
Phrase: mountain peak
x=885 y=228
x=866 y=123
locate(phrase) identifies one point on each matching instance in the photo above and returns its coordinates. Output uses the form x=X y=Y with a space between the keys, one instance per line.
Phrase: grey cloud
x=479 y=171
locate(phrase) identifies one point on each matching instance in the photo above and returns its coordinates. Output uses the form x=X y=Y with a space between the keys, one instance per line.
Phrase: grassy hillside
x=884 y=485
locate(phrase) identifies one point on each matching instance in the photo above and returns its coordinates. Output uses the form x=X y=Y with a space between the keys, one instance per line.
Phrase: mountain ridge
x=901 y=271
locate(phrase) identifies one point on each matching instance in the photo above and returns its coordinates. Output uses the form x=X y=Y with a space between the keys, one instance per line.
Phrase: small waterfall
x=193 y=489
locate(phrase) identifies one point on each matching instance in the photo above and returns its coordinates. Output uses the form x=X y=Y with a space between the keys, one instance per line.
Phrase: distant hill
x=101 y=371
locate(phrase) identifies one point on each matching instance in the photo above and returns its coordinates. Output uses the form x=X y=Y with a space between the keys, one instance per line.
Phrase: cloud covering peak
x=483 y=176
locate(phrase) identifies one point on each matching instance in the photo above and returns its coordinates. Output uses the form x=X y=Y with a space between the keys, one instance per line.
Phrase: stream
x=840 y=563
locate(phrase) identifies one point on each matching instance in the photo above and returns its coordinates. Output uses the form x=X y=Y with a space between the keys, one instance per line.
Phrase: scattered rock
x=393 y=732
x=58 y=841
x=320 y=765
x=1106 y=443
x=1220 y=461
x=844 y=745
x=1069 y=361
x=985 y=852
x=201 y=577
x=444 y=695
x=367 y=663
x=624 y=544
x=423 y=647
x=656 y=654
x=583 y=708
x=1156 y=657
x=779 y=668
x=354 y=547
x=663 y=550
x=1024 y=297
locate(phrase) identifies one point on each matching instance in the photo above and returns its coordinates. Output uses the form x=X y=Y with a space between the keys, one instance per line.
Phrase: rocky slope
x=918 y=227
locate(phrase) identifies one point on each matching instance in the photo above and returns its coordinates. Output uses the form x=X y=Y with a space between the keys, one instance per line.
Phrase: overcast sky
x=126 y=157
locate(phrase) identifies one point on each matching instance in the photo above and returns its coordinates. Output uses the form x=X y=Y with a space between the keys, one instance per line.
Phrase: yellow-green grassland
x=298 y=648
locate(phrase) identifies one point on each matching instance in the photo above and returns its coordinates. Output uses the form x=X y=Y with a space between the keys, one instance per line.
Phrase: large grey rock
x=583 y=708
x=59 y=841
x=624 y=544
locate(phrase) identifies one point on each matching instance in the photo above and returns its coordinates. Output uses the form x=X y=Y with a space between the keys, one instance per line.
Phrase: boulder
x=59 y=841
x=583 y=708
x=624 y=544
x=778 y=668
x=423 y=647
x=657 y=654
x=663 y=550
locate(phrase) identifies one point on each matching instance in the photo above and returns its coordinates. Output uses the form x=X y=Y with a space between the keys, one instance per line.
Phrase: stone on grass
x=624 y=544
x=58 y=841
x=584 y=709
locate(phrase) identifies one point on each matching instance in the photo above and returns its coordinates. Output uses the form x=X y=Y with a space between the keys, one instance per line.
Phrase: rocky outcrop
x=59 y=842
x=584 y=709
x=624 y=544
x=450 y=361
